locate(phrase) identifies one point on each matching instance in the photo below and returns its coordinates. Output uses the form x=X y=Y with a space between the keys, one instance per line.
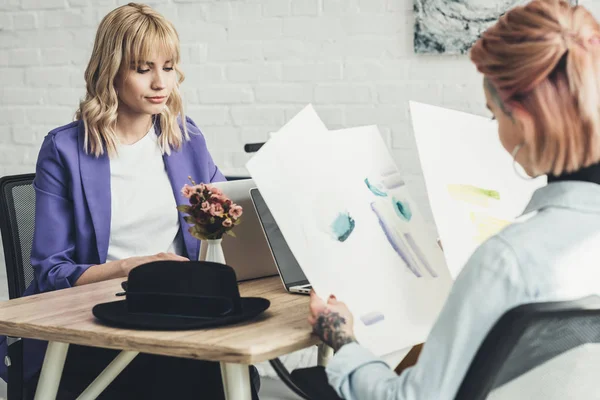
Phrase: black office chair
x=17 y=216
x=540 y=351
x=530 y=353
x=253 y=147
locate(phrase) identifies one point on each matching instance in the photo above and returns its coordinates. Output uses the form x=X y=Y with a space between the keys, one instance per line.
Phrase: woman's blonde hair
x=127 y=36
x=544 y=58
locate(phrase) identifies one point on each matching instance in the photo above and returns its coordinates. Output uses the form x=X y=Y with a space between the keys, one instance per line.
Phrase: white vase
x=214 y=251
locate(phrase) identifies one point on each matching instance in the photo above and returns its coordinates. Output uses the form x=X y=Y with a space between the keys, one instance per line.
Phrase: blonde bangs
x=127 y=37
x=148 y=39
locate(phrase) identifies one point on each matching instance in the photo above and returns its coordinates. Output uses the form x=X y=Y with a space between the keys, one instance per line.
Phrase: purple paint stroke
x=372 y=318
x=398 y=246
x=413 y=244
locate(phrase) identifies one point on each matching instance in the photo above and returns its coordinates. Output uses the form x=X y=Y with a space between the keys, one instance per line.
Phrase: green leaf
x=230 y=233
x=184 y=208
x=189 y=219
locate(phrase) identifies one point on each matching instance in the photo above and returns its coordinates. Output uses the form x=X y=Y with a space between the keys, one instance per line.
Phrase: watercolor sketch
x=390 y=207
x=480 y=204
x=476 y=193
x=394 y=216
x=350 y=220
x=452 y=26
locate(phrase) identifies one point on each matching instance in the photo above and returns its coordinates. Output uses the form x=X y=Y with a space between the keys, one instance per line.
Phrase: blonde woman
x=106 y=189
x=540 y=65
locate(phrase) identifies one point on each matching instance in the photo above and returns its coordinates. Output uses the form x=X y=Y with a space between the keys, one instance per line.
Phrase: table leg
x=324 y=354
x=236 y=381
x=52 y=369
x=108 y=375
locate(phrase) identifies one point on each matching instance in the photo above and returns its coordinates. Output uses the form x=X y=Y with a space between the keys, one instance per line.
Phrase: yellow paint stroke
x=473 y=195
x=486 y=225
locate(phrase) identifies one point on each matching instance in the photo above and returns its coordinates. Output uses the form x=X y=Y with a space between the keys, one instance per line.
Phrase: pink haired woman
x=540 y=66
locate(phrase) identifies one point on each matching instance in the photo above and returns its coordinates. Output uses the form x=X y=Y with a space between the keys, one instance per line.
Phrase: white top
x=144 y=219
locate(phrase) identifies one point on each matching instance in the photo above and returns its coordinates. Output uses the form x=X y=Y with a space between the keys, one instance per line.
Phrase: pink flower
x=235 y=211
x=218 y=198
x=187 y=191
x=214 y=190
x=216 y=210
x=210 y=211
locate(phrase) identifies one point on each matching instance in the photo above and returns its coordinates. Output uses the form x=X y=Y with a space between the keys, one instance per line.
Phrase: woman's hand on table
x=332 y=321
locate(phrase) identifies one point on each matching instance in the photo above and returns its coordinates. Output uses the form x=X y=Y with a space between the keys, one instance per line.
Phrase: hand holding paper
x=332 y=321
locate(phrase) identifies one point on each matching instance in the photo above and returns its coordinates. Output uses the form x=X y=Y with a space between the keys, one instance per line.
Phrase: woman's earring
x=517 y=170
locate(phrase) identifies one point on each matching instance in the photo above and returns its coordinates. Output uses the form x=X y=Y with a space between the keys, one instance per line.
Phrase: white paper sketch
x=345 y=211
x=472 y=187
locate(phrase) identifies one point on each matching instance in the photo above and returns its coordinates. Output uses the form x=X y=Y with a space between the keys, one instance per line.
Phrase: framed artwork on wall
x=452 y=26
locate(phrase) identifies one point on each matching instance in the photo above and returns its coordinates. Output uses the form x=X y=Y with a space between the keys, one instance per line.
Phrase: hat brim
x=116 y=314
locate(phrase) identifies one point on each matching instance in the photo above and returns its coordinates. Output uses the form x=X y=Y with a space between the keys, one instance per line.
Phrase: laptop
x=248 y=252
x=290 y=272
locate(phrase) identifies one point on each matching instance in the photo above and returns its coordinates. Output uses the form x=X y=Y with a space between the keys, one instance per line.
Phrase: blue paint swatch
x=343 y=226
x=402 y=209
x=374 y=190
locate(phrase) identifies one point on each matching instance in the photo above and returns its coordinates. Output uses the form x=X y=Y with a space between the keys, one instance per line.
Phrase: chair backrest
x=17 y=219
x=539 y=351
x=253 y=147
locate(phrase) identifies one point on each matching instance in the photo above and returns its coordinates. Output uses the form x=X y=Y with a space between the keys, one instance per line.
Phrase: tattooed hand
x=332 y=322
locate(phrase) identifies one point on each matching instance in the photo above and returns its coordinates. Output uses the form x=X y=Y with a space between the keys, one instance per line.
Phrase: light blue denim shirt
x=552 y=255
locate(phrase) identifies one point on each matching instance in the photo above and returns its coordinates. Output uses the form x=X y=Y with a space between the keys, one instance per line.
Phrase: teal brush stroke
x=402 y=209
x=343 y=226
x=374 y=190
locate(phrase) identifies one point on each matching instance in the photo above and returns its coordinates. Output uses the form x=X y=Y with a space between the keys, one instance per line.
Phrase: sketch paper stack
x=472 y=186
x=349 y=219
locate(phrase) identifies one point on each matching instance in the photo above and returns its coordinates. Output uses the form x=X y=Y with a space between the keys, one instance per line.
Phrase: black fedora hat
x=174 y=295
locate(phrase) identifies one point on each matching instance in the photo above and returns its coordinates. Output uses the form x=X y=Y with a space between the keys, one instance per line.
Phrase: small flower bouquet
x=210 y=212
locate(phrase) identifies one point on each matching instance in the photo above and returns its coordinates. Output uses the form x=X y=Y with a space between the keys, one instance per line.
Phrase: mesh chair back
x=17 y=218
x=539 y=351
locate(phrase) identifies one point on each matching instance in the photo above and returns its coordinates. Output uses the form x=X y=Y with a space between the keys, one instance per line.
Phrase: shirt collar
x=577 y=195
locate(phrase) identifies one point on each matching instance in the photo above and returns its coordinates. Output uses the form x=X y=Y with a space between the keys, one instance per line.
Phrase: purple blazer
x=72 y=213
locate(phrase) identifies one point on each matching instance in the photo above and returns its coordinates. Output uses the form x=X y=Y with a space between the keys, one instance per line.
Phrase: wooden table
x=65 y=316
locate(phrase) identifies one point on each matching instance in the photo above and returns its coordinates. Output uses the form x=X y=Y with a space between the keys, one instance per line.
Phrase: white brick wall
x=249 y=64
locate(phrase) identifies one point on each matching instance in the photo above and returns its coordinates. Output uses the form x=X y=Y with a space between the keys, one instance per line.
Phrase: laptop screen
x=290 y=270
